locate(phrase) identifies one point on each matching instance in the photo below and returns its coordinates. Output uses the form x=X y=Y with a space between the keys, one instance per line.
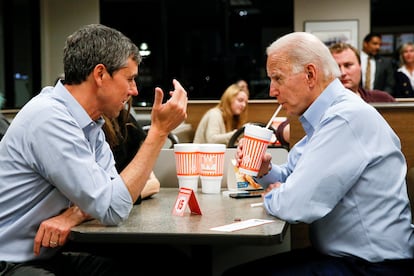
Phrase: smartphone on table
x=247 y=194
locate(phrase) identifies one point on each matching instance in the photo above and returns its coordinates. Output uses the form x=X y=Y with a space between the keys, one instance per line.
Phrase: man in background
x=349 y=63
x=378 y=73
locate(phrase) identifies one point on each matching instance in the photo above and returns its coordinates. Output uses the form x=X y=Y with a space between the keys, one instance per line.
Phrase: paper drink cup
x=190 y=182
x=211 y=167
x=187 y=164
x=211 y=184
x=255 y=142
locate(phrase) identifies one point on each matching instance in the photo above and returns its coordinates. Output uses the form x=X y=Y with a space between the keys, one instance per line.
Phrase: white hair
x=302 y=48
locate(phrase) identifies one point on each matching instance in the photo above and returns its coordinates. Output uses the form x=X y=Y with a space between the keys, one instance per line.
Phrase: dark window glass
x=205 y=44
x=20 y=55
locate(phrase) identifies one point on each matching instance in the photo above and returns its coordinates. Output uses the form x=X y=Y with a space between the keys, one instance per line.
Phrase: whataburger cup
x=187 y=164
x=211 y=167
x=255 y=142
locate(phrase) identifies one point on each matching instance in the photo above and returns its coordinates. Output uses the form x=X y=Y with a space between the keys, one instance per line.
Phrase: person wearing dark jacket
x=404 y=76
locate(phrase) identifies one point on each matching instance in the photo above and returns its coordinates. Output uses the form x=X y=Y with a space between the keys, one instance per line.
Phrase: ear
x=311 y=75
x=310 y=70
x=98 y=73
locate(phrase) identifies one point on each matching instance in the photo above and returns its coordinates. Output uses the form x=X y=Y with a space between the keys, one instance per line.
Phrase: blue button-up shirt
x=52 y=156
x=346 y=178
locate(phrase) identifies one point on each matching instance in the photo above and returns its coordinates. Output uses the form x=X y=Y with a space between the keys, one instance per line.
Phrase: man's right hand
x=267 y=158
x=55 y=231
x=166 y=117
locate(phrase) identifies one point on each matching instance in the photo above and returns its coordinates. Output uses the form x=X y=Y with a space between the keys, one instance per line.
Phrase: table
x=152 y=222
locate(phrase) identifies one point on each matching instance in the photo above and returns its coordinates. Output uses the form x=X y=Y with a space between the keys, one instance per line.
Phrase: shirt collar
x=312 y=116
x=60 y=93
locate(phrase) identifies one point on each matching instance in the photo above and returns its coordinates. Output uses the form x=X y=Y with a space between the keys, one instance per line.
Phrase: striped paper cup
x=255 y=142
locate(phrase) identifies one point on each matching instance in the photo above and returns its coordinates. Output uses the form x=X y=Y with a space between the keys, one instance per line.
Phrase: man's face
x=291 y=89
x=350 y=69
x=117 y=89
x=373 y=46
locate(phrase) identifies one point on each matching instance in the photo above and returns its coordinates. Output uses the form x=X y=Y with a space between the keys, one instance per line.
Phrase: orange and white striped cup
x=211 y=167
x=255 y=142
x=187 y=164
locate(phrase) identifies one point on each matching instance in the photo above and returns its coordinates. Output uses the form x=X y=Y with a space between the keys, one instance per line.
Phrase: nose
x=133 y=89
x=273 y=92
x=342 y=69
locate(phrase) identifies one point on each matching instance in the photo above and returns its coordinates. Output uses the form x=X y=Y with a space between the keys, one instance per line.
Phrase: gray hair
x=96 y=44
x=302 y=48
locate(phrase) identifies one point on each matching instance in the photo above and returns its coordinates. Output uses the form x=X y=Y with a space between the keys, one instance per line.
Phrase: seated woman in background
x=243 y=85
x=124 y=135
x=219 y=123
x=404 y=77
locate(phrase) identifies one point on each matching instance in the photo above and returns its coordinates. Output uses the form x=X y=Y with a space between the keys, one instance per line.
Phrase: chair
x=172 y=138
x=4 y=125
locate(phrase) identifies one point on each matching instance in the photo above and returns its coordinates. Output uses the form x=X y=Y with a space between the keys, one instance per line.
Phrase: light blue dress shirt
x=53 y=156
x=346 y=178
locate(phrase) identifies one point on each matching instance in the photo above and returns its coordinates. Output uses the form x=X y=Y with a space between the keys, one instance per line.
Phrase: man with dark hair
x=377 y=71
x=57 y=170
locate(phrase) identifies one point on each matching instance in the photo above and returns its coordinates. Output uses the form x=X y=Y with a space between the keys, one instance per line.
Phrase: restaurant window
x=205 y=44
x=19 y=51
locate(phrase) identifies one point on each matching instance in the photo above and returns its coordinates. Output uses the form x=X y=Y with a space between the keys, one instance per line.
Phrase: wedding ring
x=53 y=243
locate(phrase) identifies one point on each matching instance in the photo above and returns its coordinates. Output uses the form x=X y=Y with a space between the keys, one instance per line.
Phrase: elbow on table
x=112 y=218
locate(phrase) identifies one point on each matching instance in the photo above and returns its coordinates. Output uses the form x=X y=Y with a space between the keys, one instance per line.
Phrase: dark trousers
x=63 y=264
x=106 y=260
x=310 y=262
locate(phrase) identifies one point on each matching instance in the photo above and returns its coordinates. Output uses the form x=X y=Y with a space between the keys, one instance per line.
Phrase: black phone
x=247 y=194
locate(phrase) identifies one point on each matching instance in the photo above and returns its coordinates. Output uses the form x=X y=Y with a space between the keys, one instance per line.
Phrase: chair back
x=172 y=138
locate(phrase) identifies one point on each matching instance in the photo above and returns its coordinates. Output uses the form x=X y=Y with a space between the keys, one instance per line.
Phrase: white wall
x=60 y=18
x=305 y=10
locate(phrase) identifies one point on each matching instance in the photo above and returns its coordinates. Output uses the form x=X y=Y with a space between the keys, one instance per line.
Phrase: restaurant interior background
x=206 y=44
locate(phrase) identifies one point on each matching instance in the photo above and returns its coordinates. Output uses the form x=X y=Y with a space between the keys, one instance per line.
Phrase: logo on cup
x=211 y=164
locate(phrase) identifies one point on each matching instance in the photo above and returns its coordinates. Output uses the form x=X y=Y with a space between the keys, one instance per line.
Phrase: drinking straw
x=274 y=116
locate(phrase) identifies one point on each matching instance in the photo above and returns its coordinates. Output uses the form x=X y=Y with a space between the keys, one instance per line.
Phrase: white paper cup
x=187 y=164
x=255 y=142
x=211 y=184
x=211 y=167
x=190 y=182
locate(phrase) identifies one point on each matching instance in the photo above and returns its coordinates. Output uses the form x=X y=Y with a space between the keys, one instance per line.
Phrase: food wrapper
x=240 y=181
